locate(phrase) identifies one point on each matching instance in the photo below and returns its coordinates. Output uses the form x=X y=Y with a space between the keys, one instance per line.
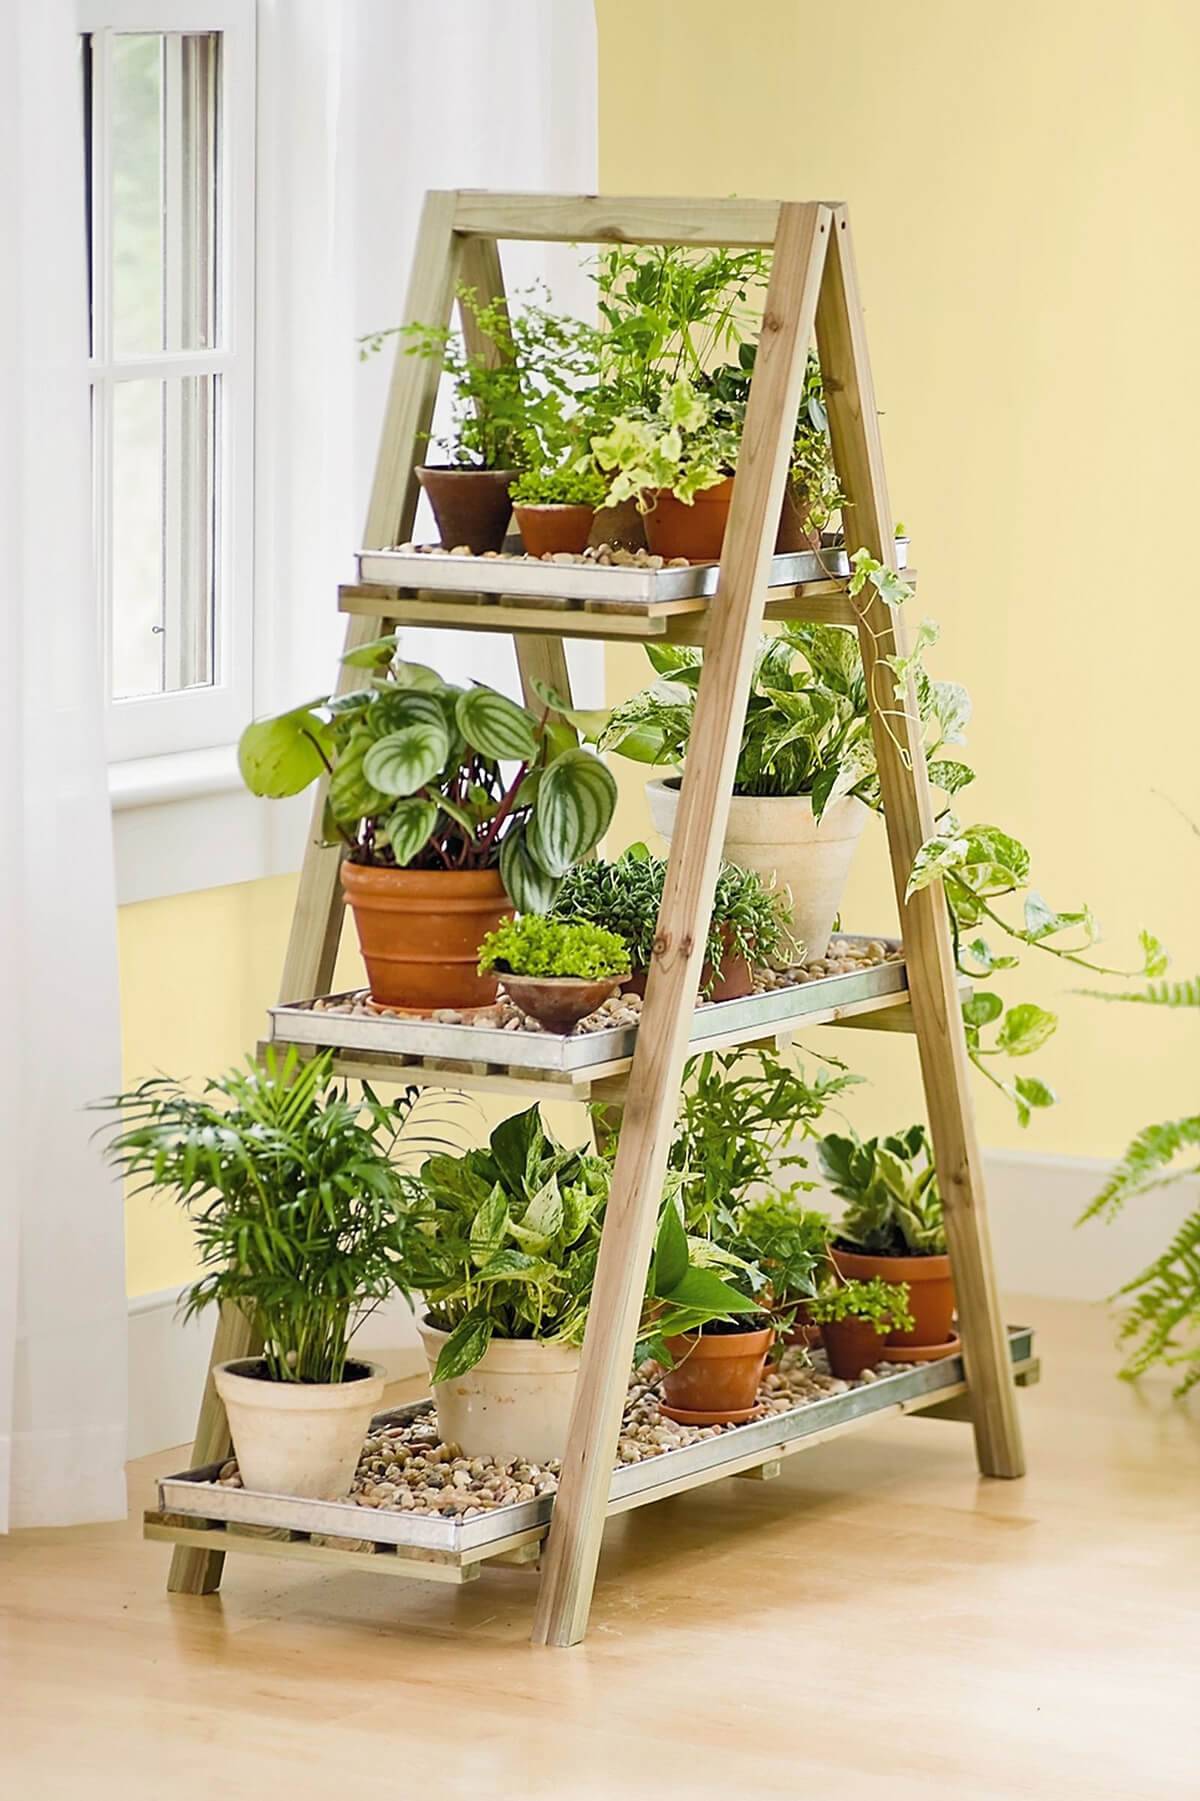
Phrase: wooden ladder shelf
x=813 y=291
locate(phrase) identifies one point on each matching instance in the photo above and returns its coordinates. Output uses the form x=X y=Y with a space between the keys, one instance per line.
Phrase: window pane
x=164 y=190
x=163 y=535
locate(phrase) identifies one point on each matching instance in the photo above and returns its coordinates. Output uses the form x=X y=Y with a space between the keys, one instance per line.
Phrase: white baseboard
x=168 y=1362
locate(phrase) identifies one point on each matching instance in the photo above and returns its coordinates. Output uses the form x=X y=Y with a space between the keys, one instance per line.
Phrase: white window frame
x=195 y=720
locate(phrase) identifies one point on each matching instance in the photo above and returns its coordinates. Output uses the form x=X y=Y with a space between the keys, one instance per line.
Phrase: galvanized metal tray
x=197 y=1494
x=779 y=1010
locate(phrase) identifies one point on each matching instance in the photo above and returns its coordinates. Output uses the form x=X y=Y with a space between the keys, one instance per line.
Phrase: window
x=169 y=92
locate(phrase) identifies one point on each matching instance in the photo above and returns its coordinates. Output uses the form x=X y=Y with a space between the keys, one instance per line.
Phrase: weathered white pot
x=516 y=1402
x=297 y=1438
x=778 y=838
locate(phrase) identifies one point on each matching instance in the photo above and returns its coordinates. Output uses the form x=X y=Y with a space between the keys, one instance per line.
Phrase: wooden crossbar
x=604 y=219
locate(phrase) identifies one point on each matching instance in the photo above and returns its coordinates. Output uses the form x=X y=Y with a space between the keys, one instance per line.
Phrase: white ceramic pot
x=778 y=838
x=297 y=1438
x=516 y=1402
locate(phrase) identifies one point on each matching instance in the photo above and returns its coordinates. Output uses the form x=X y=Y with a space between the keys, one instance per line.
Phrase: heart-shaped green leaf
x=496 y=726
x=404 y=760
x=408 y=828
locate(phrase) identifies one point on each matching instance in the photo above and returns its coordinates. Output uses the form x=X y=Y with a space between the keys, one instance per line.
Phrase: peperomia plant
x=893 y=1207
x=427 y=775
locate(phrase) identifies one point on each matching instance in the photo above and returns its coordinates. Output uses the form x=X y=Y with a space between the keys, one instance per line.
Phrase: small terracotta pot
x=794 y=531
x=852 y=1345
x=471 y=506
x=420 y=932
x=548 y=529
x=930 y=1290
x=734 y=982
x=621 y=526
x=557 y=1002
x=696 y=532
x=716 y=1375
x=803 y=1331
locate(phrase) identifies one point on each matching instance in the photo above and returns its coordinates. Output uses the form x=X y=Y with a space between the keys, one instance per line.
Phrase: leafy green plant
x=681 y=446
x=787 y=1242
x=294 y=1192
x=417 y=777
x=684 y=1292
x=811 y=474
x=535 y=946
x=670 y=311
x=893 y=1205
x=572 y=485
x=884 y=1304
x=748 y=919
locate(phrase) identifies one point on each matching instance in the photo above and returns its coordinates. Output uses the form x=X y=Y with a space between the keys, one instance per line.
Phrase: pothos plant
x=424 y=774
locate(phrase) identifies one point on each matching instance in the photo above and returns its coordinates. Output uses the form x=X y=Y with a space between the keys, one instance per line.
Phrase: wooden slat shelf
x=193 y=1509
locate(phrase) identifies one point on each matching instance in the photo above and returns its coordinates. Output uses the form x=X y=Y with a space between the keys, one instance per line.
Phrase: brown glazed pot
x=557 y=1002
x=471 y=506
x=852 y=1345
x=621 y=526
x=696 y=532
x=420 y=932
x=794 y=533
x=716 y=1375
x=545 y=530
x=930 y=1290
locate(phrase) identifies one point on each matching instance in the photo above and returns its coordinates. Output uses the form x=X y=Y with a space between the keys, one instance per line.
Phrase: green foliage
x=748 y=919
x=572 y=486
x=670 y=312
x=811 y=474
x=893 y=1207
x=293 y=1191
x=417 y=777
x=684 y=1292
x=884 y=1304
x=786 y=1241
x=535 y=946
x=681 y=446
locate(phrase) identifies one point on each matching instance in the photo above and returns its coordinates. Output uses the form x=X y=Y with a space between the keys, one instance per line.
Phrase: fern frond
x=1167 y=1304
x=1147 y=1164
x=1156 y=994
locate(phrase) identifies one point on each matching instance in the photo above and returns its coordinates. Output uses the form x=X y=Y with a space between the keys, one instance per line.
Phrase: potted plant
x=557 y=971
x=709 y=1339
x=453 y=804
x=677 y=463
x=857 y=1321
x=502 y=1244
x=811 y=494
x=556 y=508
x=892 y=1227
x=789 y=1242
x=749 y=927
x=295 y=1198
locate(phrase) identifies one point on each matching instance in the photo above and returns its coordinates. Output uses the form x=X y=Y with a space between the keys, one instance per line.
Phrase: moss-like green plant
x=575 y=485
x=884 y=1304
x=535 y=946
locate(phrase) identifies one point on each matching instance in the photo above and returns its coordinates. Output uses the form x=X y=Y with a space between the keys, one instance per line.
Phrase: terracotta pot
x=557 y=1002
x=621 y=526
x=696 y=532
x=420 y=932
x=516 y=1402
x=930 y=1290
x=803 y=1331
x=471 y=506
x=794 y=531
x=735 y=981
x=546 y=530
x=777 y=838
x=852 y=1345
x=716 y=1375
x=298 y=1438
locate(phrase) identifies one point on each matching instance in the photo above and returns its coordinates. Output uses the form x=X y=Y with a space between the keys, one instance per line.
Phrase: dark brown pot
x=420 y=932
x=716 y=1375
x=471 y=506
x=852 y=1345
x=794 y=531
x=545 y=530
x=557 y=1002
x=621 y=526
x=930 y=1290
x=696 y=532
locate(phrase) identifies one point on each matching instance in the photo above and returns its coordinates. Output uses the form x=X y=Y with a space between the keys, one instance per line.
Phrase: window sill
x=184 y=822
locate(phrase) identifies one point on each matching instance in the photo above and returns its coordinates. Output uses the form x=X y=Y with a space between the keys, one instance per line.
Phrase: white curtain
x=62 y=1290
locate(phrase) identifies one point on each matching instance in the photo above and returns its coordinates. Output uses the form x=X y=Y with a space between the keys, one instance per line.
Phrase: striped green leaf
x=528 y=886
x=351 y=795
x=404 y=760
x=574 y=805
x=496 y=726
x=408 y=827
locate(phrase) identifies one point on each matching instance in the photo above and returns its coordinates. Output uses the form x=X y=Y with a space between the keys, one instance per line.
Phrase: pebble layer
x=407 y=1469
x=605 y=555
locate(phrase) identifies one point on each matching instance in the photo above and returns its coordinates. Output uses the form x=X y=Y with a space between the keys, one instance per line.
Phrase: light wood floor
x=877 y=1622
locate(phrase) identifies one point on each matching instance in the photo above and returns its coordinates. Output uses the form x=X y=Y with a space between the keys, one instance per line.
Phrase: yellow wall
x=1021 y=181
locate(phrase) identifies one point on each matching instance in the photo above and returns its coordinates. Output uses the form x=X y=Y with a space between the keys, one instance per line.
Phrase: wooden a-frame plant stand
x=812 y=290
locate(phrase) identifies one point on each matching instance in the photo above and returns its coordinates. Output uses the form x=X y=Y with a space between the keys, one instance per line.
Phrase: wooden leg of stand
x=196 y=1572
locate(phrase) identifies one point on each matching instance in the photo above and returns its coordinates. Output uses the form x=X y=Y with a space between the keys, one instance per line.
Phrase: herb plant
x=670 y=312
x=786 y=1241
x=682 y=446
x=883 y=1304
x=577 y=484
x=294 y=1192
x=535 y=946
x=893 y=1206
x=421 y=776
